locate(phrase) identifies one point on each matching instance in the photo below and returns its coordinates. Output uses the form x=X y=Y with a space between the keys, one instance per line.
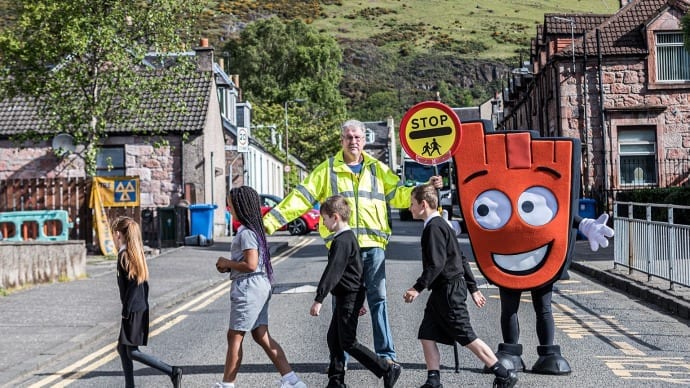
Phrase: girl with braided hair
x=251 y=273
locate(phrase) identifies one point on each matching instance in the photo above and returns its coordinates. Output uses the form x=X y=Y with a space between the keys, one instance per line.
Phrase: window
x=672 y=59
x=369 y=136
x=110 y=162
x=637 y=154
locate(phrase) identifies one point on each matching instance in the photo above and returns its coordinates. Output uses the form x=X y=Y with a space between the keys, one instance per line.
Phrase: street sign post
x=430 y=132
x=242 y=139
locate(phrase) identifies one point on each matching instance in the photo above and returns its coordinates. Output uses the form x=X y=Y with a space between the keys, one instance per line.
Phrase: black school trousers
x=342 y=337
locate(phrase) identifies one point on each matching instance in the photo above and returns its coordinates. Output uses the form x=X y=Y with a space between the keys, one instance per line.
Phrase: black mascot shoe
x=506 y=382
x=550 y=361
x=510 y=356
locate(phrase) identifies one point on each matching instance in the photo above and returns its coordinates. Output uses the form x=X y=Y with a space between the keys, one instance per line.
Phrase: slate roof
x=19 y=115
x=621 y=33
x=581 y=22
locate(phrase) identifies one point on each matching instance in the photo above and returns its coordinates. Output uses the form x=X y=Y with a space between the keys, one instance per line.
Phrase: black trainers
x=176 y=377
x=335 y=383
x=391 y=375
x=427 y=384
x=506 y=382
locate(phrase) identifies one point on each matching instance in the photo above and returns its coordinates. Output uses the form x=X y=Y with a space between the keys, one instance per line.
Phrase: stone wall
x=35 y=262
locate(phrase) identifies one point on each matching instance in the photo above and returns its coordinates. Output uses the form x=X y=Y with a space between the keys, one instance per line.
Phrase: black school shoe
x=506 y=382
x=335 y=383
x=392 y=374
x=176 y=376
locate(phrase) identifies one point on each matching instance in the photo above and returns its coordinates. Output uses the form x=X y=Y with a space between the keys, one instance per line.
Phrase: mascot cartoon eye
x=537 y=206
x=492 y=209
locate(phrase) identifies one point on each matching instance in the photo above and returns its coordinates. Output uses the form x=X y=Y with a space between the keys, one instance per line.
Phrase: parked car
x=307 y=222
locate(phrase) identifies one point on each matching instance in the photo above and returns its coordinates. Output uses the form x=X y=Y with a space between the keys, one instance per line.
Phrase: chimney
x=236 y=80
x=204 y=54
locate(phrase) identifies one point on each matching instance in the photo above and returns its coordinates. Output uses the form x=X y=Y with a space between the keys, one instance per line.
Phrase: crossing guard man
x=518 y=195
x=368 y=185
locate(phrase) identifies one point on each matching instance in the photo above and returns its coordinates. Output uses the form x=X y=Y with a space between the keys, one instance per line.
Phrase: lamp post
x=572 y=35
x=287 y=152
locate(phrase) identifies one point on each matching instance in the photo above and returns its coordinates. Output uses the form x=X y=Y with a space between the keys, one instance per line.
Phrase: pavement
x=44 y=323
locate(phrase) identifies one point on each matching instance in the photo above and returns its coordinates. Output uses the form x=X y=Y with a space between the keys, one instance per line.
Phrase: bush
x=658 y=195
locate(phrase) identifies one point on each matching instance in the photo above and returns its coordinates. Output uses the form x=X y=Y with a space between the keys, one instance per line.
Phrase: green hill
x=480 y=29
x=400 y=52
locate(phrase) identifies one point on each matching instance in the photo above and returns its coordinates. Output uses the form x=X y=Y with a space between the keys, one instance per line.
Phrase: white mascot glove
x=453 y=223
x=596 y=231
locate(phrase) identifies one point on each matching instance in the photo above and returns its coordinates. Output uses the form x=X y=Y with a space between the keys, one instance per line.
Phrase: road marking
x=673 y=370
x=521 y=299
x=285 y=255
x=627 y=349
x=111 y=356
x=584 y=292
x=303 y=289
x=109 y=352
x=564 y=308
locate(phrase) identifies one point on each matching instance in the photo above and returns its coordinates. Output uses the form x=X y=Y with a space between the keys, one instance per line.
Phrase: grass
x=503 y=27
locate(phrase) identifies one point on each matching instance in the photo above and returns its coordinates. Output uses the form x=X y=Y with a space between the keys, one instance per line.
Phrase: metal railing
x=653 y=245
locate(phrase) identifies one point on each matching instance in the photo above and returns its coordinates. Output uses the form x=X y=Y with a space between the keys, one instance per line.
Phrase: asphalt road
x=610 y=339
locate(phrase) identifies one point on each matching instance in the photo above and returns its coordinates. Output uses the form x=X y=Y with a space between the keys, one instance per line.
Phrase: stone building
x=621 y=84
x=191 y=167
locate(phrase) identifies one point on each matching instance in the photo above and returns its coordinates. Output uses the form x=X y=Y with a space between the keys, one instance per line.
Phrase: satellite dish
x=63 y=144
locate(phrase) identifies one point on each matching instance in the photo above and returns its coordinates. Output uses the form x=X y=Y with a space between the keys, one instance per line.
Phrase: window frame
x=651 y=179
x=667 y=46
x=116 y=170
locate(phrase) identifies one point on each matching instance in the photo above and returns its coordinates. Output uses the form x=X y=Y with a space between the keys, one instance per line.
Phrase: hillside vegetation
x=470 y=28
x=400 y=52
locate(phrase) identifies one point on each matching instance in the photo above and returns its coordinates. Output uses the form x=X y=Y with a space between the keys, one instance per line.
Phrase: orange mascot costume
x=518 y=195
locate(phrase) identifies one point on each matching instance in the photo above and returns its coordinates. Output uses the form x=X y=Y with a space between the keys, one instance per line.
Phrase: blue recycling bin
x=202 y=220
x=587 y=208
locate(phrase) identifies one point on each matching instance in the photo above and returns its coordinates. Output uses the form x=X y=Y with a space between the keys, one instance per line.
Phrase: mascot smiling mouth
x=522 y=263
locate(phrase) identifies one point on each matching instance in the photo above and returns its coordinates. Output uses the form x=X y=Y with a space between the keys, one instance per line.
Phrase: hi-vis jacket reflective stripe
x=366 y=192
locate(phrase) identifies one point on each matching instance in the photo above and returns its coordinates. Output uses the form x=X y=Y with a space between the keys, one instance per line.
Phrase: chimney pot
x=203 y=42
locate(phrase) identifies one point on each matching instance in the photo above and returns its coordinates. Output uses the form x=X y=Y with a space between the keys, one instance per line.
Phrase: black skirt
x=134 y=330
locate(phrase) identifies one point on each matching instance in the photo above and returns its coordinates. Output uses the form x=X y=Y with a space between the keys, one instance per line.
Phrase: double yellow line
x=107 y=353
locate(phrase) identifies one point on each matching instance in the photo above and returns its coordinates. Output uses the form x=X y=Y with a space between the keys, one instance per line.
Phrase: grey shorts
x=249 y=298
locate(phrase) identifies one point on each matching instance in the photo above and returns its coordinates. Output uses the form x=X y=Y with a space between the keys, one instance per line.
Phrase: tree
x=81 y=63
x=282 y=61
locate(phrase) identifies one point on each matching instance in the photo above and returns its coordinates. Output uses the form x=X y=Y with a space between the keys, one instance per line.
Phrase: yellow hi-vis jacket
x=366 y=192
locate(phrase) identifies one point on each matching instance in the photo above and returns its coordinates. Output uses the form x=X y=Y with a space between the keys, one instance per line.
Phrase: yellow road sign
x=430 y=132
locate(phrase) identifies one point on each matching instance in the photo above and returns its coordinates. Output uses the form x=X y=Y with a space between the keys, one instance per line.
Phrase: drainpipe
x=213 y=178
x=604 y=133
x=558 y=99
x=585 y=138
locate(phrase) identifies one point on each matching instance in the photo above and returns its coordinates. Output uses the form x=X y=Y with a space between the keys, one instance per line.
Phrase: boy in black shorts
x=448 y=275
x=343 y=277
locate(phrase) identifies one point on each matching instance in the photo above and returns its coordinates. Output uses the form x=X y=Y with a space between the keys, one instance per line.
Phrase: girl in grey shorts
x=251 y=274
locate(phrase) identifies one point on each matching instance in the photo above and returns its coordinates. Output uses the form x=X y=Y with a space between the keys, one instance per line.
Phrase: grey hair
x=353 y=124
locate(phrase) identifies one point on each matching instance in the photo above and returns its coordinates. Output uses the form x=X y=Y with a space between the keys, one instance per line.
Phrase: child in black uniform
x=343 y=278
x=132 y=280
x=448 y=275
